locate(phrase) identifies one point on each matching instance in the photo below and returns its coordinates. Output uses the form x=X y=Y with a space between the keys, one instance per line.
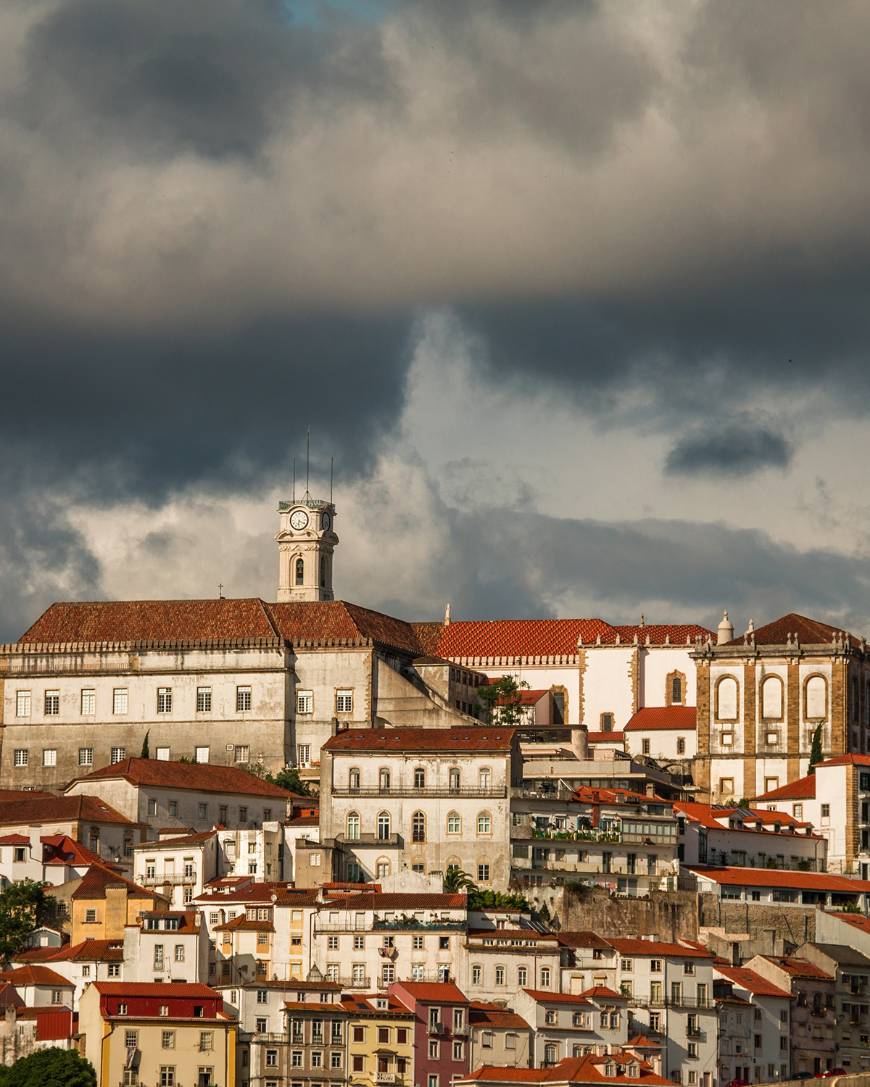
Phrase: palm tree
x=455 y=880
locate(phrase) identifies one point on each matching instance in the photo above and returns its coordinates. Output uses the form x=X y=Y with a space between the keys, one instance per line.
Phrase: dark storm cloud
x=729 y=448
x=533 y=565
x=106 y=415
x=210 y=76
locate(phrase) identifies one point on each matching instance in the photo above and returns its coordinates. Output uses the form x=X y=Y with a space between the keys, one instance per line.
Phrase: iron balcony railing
x=404 y=792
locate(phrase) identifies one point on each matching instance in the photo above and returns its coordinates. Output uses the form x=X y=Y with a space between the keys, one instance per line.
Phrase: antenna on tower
x=307 y=456
x=331 y=475
x=294 y=479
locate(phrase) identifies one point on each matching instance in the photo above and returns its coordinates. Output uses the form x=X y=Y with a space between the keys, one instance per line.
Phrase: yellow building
x=380 y=1041
x=154 y=1035
x=104 y=902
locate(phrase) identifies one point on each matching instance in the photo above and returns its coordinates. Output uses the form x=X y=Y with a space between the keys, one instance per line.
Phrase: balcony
x=369 y=840
x=494 y=793
x=175 y=879
x=388 y=1077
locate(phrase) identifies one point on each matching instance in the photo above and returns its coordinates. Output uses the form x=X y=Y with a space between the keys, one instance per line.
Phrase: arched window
x=419 y=778
x=322 y=571
x=726 y=698
x=418 y=827
x=816 y=698
x=353 y=825
x=382 y=868
x=353 y=780
x=771 y=698
x=454 y=822
x=300 y=571
x=383 y=825
x=384 y=780
x=677 y=691
x=455 y=779
x=484 y=823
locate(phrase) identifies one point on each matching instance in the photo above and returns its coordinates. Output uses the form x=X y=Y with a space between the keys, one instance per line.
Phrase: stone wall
x=669 y=916
x=753 y=928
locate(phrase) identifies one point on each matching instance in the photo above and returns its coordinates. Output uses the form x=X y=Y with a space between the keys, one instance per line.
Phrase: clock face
x=298 y=519
x=326 y=521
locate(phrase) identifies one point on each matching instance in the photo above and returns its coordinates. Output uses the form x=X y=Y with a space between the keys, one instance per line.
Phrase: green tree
x=146 y=753
x=52 y=1067
x=23 y=907
x=455 y=880
x=501 y=699
x=495 y=900
x=289 y=779
x=816 y=750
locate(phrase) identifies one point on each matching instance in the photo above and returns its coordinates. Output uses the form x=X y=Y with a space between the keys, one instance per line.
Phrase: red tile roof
x=484 y=1014
x=509 y=638
x=798 y=968
x=430 y=992
x=856 y=920
x=22 y=794
x=34 y=974
x=603 y=992
x=599 y=794
x=200 y=776
x=244 y=924
x=852 y=759
x=156 y=988
x=583 y=938
x=522 y=698
x=515 y=934
x=638 y=948
x=711 y=816
x=52 y=1024
x=152 y=621
x=605 y=738
x=663 y=719
x=544 y=996
x=800 y=789
x=753 y=983
x=98 y=878
x=184 y=839
x=777 y=877
x=52 y=809
x=808 y=631
x=317 y=622
x=61 y=849
x=574 y=1070
x=85 y=951
x=14 y=839
x=471 y=738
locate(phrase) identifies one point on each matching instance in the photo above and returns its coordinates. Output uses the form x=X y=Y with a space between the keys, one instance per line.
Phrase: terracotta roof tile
x=151 y=621
x=470 y=738
x=714 y=817
x=583 y=938
x=204 y=777
x=35 y=975
x=483 y=1014
x=663 y=719
x=489 y=638
x=52 y=809
x=638 y=948
x=752 y=982
x=14 y=839
x=801 y=789
x=809 y=632
x=779 y=877
x=85 y=951
x=799 y=968
x=580 y=1070
x=431 y=992
x=337 y=620
x=852 y=759
x=181 y=989
x=545 y=996
x=664 y=633
x=98 y=878
x=605 y=738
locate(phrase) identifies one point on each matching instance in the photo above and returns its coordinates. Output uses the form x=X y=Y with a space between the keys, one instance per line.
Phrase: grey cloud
x=731 y=447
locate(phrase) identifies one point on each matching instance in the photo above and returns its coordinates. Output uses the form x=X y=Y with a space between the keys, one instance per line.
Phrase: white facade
x=166 y=947
x=571 y=1026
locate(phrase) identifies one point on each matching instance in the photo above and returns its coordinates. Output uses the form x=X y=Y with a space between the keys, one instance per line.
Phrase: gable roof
x=663 y=719
x=781 y=877
x=98 y=878
x=466 y=738
x=217 y=619
x=196 y=776
x=800 y=789
x=35 y=974
x=85 y=951
x=754 y=820
x=754 y=983
x=484 y=1014
x=808 y=631
x=180 y=989
x=319 y=622
x=51 y=809
x=638 y=948
x=497 y=639
x=798 y=968
x=589 y=1069
x=433 y=992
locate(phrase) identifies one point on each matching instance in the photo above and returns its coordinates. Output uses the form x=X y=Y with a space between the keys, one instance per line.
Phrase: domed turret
x=725 y=630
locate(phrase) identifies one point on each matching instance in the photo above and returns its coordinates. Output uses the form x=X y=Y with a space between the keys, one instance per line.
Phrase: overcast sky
x=576 y=294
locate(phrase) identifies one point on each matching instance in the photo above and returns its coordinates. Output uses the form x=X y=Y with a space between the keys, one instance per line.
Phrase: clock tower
x=306 y=539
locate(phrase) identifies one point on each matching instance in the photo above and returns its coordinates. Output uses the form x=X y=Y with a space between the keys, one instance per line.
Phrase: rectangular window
x=173 y=804
x=243 y=699
x=52 y=703
x=167 y=1075
x=118 y=754
x=164 y=700
x=120 y=700
x=152 y=807
x=305 y=702
x=20 y=757
x=826 y=811
x=205 y=1041
x=203 y=699
x=243 y=814
x=202 y=754
x=344 y=701
x=241 y=753
x=114 y=969
x=303 y=754
x=131 y=1039
x=483 y=873
x=162 y=754
x=89 y=701
x=49 y=756
x=86 y=756
x=22 y=703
